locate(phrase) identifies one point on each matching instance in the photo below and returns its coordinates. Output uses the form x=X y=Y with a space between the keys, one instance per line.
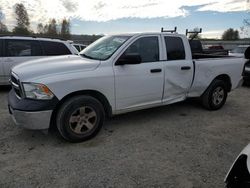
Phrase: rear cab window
x=16 y=48
x=147 y=47
x=175 y=48
x=54 y=48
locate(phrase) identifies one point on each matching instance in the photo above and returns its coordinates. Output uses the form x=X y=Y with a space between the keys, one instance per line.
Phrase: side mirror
x=129 y=59
x=247 y=53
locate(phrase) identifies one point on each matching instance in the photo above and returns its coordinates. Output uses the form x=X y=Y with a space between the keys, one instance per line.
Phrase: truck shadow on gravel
x=114 y=125
x=157 y=114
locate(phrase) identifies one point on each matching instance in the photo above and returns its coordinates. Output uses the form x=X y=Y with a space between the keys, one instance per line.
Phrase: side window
x=54 y=48
x=15 y=48
x=77 y=47
x=146 y=47
x=82 y=47
x=175 y=48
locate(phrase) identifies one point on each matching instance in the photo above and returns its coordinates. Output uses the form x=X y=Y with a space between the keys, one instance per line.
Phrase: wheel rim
x=218 y=96
x=83 y=120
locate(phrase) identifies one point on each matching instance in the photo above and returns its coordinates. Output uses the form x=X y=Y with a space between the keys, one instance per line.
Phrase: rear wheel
x=80 y=118
x=215 y=96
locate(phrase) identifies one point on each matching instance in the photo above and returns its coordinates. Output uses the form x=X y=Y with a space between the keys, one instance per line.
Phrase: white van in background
x=15 y=50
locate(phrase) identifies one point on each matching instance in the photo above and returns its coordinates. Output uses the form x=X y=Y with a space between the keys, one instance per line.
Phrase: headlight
x=37 y=91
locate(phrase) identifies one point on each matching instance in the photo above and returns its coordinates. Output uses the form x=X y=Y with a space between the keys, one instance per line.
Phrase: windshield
x=239 y=50
x=104 y=48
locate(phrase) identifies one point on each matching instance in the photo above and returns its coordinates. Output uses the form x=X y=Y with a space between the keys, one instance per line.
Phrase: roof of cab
x=146 y=33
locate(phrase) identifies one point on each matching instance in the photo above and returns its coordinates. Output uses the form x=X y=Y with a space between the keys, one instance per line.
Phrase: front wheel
x=215 y=96
x=80 y=118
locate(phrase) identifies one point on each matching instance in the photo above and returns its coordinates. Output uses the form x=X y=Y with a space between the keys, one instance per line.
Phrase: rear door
x=178 y=69
x=19 y=51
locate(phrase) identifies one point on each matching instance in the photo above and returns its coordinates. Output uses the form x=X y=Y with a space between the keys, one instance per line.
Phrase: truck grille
x=15 y=85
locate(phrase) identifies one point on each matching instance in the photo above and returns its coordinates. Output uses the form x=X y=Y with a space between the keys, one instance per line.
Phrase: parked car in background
x=79 y=47
x=239 y=174
x=216 y=47
x=197 y=48
x=15 y=50
x=238 y=51
x=114 y=75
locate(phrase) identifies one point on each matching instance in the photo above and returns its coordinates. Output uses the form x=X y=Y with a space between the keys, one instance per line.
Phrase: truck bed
x=208 y=56
x=208 y=67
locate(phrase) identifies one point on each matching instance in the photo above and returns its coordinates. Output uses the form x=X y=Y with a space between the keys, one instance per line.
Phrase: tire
x=215 y=96
x=80 y=118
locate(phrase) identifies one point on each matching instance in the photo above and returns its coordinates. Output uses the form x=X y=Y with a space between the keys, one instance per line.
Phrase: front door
x=141 y=84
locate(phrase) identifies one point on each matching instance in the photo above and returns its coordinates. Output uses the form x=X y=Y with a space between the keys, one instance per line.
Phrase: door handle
x=155 y=70
x=186 y=68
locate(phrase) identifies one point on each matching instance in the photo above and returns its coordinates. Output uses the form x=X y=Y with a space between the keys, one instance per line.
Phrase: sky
x=122 y=16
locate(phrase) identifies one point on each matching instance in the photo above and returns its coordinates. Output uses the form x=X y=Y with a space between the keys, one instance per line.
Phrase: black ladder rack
x=193 y=32
x=169 y=31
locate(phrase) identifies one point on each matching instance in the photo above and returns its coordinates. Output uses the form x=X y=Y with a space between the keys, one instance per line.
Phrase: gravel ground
x=180 y=145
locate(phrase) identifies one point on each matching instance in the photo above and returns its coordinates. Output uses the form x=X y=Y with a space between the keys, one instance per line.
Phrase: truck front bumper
x=30 y=113
x=31 y=120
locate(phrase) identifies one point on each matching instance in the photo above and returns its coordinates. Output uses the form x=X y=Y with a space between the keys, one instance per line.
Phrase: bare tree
x=45 y=28
x=245 y=29
x=22 y=19
x=3 y=27
x=65 y=29
x=40 y=28
x=52 y=28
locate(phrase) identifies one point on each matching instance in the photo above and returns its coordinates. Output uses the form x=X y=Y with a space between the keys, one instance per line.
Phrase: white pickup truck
x=114 y=75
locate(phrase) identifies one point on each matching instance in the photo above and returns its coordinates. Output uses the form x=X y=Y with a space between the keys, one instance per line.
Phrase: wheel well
x=96 y=94
x=239 y=174
x=226 y=79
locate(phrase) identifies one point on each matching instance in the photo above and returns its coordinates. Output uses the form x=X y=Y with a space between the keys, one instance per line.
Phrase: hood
x=53 y=65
